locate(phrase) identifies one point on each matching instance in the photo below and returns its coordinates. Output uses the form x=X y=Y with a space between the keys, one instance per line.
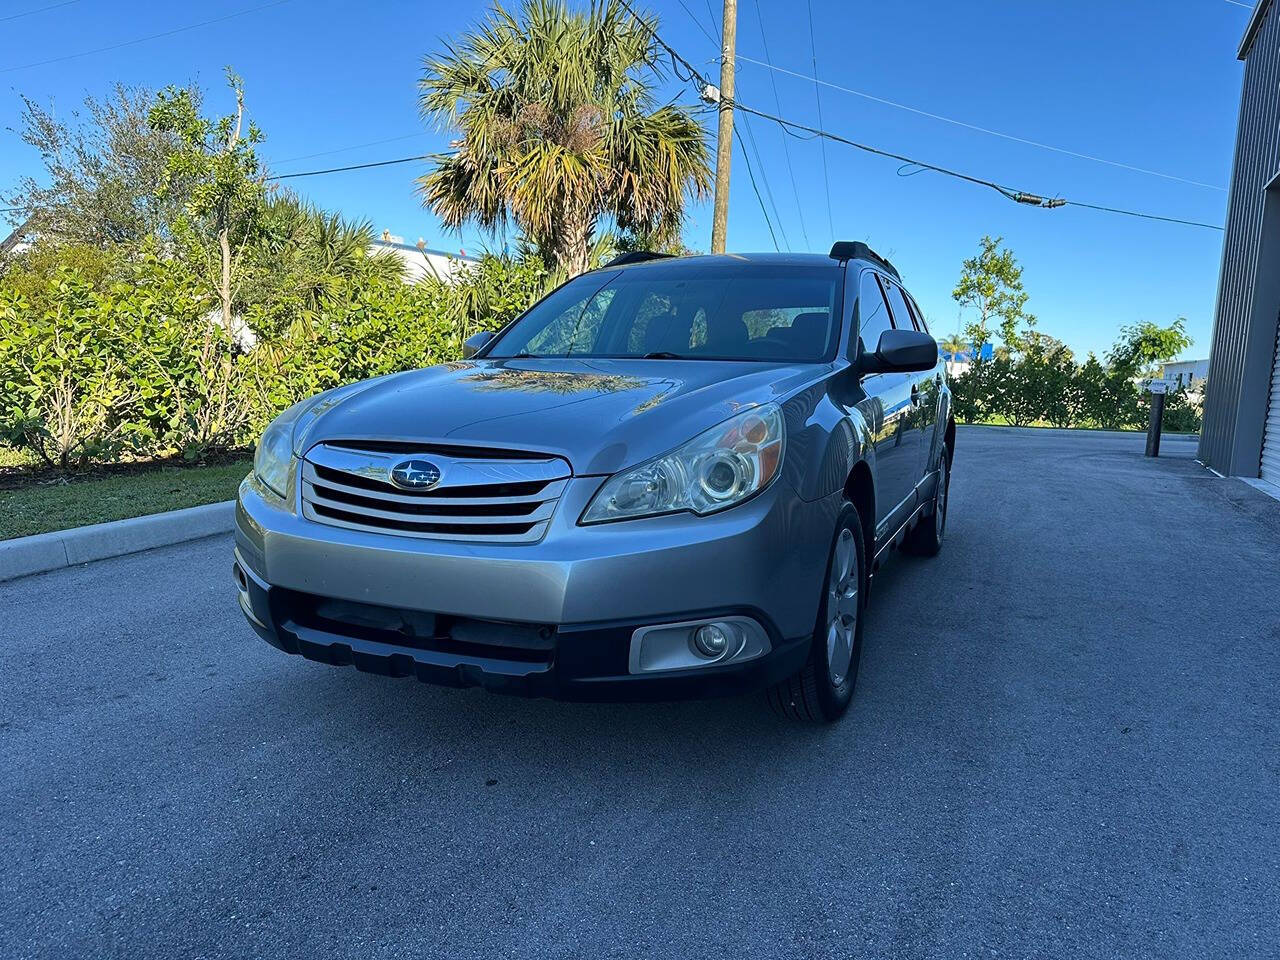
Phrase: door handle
x=915 y=395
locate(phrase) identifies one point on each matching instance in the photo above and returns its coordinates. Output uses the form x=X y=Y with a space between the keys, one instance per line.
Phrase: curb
x=68 y=548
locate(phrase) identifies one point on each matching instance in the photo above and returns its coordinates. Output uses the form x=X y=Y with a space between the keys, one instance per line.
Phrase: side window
x=898 y=306
x=873 y=314
x=916 y=315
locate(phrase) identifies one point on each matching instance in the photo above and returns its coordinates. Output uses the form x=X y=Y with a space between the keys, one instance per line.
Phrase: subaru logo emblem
x=415 y=474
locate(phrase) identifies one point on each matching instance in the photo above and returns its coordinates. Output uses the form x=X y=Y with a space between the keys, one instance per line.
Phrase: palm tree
x=955 y=344
x=559 y=129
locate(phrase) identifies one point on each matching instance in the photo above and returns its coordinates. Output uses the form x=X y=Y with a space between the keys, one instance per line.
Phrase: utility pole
x=724 y=135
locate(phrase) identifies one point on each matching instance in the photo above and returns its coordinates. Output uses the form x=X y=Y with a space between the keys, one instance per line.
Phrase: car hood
x=599 y=414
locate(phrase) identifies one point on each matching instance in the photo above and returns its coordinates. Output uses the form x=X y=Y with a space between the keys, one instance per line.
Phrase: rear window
x=752 y=312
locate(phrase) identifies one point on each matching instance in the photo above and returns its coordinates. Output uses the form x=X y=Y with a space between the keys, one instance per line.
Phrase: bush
x=1048 y=386
x=139 y=366
x=117 y=357
x=65 y=392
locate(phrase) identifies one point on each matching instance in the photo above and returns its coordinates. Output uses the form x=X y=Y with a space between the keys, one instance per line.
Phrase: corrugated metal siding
x=1271 y=439
x=1257 y=160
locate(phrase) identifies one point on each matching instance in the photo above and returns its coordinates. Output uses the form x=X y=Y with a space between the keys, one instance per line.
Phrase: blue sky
x=1144 y=83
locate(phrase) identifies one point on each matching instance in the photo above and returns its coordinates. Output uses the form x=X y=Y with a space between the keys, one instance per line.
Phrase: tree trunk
x=574 y=253
x=224 y=282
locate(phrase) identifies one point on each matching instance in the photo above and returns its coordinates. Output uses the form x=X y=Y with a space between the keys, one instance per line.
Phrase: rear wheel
x=926 y=538
x=821 y=691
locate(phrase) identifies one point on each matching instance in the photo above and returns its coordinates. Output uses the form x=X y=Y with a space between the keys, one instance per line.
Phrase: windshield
x=758 y=312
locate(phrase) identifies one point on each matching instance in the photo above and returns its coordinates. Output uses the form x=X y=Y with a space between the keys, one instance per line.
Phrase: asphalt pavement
x=1065 y=742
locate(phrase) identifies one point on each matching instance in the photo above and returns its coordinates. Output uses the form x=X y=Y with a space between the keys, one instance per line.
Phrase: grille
x=507 y=498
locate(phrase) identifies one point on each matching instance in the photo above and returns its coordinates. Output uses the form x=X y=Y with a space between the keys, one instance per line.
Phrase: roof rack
x=637 y=256
x=857 y=250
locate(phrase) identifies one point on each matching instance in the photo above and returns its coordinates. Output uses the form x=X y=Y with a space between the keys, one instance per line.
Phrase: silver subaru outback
x=670 y=477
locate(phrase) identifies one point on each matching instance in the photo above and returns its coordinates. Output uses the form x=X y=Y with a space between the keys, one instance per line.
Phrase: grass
x=31 y=505
x=1045 y=425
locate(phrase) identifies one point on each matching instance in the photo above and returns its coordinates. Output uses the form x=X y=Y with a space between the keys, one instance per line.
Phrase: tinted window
x=751 y=312
x=873 y=315
x=916 y=315
x=901 y=315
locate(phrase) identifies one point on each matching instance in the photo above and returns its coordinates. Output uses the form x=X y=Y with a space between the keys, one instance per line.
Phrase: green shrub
x=187 y=373
x=65 y=390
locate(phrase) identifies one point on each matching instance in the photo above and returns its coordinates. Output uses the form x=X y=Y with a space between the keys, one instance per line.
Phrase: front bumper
x=569 y=603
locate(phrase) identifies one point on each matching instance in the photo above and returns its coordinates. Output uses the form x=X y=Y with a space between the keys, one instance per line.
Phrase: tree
x=1109 y=397
x=227 y=195
x=559 y=130
x=955 y=344
x=1064 y=394
x=991 y=284
x=1142 y=347
x=103 y=171
x=303 y=260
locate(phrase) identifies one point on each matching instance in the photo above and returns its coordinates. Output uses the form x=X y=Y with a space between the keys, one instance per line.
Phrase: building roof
x=1251 y=31
x=414 y=248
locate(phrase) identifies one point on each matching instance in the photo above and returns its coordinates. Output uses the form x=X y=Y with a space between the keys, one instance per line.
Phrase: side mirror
x=474 y=343
x=901 y=351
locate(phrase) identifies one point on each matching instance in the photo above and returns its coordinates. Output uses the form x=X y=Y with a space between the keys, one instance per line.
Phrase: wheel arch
x=860 y=490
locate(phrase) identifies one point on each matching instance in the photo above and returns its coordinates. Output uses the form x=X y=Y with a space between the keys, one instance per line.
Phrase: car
x=671 y=477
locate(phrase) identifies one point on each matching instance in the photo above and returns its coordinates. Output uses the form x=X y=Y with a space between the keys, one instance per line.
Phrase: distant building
x=418 y=260
x=960 y=361
x=1188 y=374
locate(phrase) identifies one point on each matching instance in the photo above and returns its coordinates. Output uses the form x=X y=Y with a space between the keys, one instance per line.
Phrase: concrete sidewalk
x=24 y=556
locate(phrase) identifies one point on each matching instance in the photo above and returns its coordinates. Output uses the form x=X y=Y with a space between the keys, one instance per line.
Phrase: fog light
x=711 y=639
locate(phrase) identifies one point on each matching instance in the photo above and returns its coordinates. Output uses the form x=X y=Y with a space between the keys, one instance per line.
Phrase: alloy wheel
x=842 y=606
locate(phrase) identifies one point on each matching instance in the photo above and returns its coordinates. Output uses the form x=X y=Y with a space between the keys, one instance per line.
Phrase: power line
x=354 y=146
x=750 y=136
x=1247 y=6
x=786 y=150
x=986 y=130
x=768 y=191
x=826 y=177
x=354 y=166
x=153 y=36
x=1011 y=193
x=705 y=32
x=1018 y=196
x=759 y=199
x=712 y=15
x=27 y=13
x=677 y=62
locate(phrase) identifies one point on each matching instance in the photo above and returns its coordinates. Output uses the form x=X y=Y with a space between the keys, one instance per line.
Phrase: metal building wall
x=1244 y=329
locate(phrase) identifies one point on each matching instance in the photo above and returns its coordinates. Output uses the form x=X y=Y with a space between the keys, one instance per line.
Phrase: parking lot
x=1063 y=744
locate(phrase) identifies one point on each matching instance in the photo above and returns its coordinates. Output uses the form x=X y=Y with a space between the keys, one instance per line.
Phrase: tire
x=823 y=688
x=926 y=538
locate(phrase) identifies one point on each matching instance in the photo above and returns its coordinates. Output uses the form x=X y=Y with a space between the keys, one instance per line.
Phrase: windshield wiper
x=664 y=355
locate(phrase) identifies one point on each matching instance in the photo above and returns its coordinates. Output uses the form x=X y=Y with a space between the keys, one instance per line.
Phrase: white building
x=1187 y=373
x=418 y=260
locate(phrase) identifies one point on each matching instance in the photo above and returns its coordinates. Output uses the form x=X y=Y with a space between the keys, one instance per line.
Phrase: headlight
x=286 y=435
x=274 y=453
x=716 y=469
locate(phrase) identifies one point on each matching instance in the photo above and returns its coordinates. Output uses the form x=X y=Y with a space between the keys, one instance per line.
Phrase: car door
x=888 y=411
x=930 y=393
x=922 y=392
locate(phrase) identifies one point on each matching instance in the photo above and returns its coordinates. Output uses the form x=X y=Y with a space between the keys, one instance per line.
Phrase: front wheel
x=823 y=688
